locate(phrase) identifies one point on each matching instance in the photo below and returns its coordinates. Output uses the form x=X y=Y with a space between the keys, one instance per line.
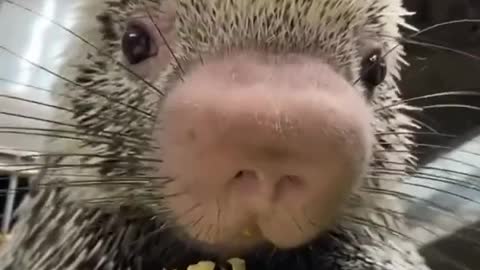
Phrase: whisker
x=73 y=175
x=209 y=229
x=376 y=226
x=443 y=170
x=172 y=195
x=195 y=223
x=219 y=210
x=460 y=92
x=400 y=215
x=173 y=221
x=423 y=224
x=136 y=158
x=16 y=149
x=372 y=65
x=36 y=102
x=72 y=82
x=410 y=40
x=417 y=152
x=50 y=135
x=38 y=119
x=409 y=198
x=102 y=201
x=89 y=44
x=295 y=221
x=195 y=206
x=438 y=25
x=463 y=106
x=37 y=88
x=417 y=169
x=417 y=201
x=431 y=177
x=165 y=41
x=117 y=182
x=128 y=139
x=102 y=117
x=423 y=124
x=435 y=146
x=436 y=46
x=426 y=226
x=436 y=134
x=38 y=166
x=456 y=161
x=100 y=183
x=382 y=243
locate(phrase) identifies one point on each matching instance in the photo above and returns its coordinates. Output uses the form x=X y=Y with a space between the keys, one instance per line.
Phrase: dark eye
x=374 y=69
x=137 y=44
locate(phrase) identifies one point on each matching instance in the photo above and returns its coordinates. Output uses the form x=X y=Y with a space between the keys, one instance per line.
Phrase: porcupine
x=207 y=129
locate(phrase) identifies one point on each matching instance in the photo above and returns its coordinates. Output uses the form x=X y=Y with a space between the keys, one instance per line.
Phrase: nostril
x=247 y=180
x=292 y=181
x=288 y=185
x=245 y=174
x=238 y=175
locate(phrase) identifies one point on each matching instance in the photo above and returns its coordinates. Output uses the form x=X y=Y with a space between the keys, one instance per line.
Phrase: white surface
x=40 y=42
x=452 y=184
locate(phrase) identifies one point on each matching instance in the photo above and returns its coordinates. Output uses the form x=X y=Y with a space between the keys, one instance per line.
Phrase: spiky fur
x=67 y=224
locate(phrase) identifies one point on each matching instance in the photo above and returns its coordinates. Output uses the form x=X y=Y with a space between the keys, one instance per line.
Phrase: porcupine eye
x=374 y=70
x=137 y=44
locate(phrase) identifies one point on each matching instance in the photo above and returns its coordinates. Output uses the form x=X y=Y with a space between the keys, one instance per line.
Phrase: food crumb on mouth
x=237 y=264
x=247 y=233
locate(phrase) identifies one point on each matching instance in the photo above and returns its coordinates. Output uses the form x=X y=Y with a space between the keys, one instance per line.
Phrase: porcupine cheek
x=261 y=149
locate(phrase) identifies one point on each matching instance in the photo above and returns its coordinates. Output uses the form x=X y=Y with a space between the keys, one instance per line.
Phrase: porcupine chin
x=189 y=122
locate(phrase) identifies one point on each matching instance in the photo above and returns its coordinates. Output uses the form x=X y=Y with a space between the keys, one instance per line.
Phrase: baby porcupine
x=208 y=129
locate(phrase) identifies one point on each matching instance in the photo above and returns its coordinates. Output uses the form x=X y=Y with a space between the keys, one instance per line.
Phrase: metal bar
x=9 y=204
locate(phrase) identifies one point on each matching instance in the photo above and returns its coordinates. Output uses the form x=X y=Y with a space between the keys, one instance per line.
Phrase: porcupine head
x=238 y=124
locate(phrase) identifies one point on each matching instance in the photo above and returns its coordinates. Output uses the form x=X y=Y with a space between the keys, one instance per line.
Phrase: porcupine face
x=265 y=114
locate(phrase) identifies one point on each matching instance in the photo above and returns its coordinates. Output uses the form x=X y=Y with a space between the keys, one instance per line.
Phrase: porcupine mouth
x=261 y=157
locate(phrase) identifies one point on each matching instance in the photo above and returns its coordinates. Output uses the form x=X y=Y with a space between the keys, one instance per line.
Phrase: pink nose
x=261 y=134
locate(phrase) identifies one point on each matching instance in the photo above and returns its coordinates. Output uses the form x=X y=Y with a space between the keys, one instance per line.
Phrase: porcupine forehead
x=327 y=27
x=283 y=24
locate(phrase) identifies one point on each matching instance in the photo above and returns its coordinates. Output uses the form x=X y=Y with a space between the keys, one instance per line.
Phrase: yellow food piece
x=247 y=233
x=202 y=266
x=3 y=238
x=237 y=264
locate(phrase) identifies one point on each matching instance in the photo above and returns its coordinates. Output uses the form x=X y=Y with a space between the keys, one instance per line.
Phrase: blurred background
x=437 y=68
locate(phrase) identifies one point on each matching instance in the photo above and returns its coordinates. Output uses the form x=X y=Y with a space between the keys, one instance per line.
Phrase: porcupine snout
x=261 y=148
